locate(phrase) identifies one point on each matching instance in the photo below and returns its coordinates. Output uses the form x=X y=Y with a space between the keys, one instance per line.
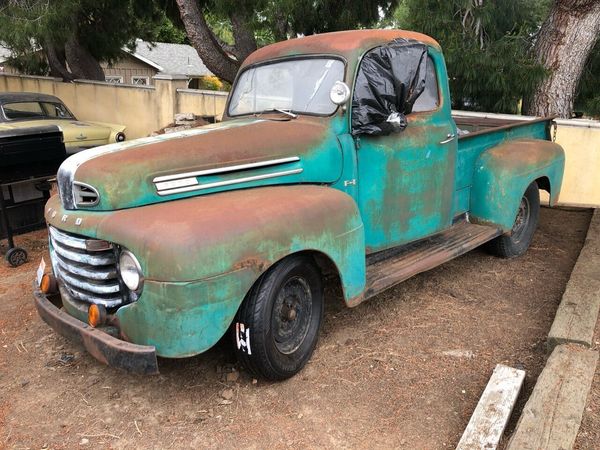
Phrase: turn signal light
x=48 y=284
x=96 y=315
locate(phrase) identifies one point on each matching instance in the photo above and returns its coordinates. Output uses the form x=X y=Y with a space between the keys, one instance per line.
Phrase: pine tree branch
x=213 y=54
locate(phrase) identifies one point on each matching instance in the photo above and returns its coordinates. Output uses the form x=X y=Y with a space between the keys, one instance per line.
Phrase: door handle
x=451 y=137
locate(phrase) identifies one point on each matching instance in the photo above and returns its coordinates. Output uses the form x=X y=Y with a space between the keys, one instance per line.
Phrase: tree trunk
x=216 y=59
x=57 y=62
x=81 y=62
x=245 y=41
x=280 y=26
x=563 y=47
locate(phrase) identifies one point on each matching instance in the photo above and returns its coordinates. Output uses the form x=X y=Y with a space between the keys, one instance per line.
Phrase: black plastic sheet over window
x=389 y=81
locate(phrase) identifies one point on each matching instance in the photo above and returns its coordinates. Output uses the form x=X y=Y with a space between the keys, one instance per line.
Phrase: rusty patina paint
x=201 y=255
x=343 y=43
x=407 y=180
x=503 y=173
x=124 y=178
x=201 y=251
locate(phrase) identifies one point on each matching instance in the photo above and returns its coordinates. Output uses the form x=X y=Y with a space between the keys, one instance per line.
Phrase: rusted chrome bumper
x=140 y=359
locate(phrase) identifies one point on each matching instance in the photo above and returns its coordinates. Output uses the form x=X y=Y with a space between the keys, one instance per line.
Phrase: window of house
x=429 y=100
x=141 y=81
x=114 y=79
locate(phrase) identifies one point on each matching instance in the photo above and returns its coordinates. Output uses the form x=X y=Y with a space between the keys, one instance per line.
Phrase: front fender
x=503 y=173
x=207 y=236
x=201 y=255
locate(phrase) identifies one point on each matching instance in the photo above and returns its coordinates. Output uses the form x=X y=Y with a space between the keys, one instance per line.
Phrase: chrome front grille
x=89 y=276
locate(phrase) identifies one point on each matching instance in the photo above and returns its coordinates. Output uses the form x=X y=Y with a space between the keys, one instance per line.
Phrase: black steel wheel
x=517 y=241
x=277 y=326
x=16 y=256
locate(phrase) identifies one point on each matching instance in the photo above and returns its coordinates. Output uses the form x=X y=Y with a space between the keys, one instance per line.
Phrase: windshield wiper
x=287 y=113
x=282 y=111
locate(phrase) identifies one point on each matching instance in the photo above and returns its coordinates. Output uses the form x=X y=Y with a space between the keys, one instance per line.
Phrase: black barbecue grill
x=28 y=157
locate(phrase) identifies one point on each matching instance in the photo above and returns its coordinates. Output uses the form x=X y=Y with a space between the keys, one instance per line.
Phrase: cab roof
x=343 y=43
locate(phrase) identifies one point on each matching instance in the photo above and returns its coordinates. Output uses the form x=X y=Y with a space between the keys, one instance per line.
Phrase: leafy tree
x=167 y=31
x=75 y=34
x=487 y=45
x=225 y=32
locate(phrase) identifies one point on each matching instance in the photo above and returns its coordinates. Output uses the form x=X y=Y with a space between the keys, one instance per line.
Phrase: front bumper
x=139 y=359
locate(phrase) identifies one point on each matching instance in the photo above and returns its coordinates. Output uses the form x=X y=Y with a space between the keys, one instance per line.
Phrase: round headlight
x=120 y=137
x=131 y=271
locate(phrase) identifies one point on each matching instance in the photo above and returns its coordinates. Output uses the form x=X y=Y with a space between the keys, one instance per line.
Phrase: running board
x=390 y=267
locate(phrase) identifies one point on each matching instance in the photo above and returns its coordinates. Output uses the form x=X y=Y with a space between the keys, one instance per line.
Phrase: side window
x=429 y=100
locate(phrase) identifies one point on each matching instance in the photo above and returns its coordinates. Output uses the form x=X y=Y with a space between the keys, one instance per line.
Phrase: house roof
x=168 y=58
x=4 y=53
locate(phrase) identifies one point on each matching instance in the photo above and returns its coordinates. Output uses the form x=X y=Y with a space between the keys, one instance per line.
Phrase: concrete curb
x=577 y=314
x=553 y=413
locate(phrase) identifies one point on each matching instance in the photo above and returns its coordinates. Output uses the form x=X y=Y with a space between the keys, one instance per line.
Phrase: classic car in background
x=28 y=109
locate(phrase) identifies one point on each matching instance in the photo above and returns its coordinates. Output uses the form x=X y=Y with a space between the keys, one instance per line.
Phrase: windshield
x=299 y=85
x=36 y=110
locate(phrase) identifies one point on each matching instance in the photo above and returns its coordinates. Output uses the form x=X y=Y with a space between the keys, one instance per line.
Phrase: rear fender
x=503 y=173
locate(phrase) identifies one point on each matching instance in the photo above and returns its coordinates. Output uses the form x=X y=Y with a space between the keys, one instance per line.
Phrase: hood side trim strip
x=229 y=182
x=226 y=169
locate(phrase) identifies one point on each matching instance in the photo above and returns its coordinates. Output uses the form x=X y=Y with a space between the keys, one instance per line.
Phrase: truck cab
x=338 y=158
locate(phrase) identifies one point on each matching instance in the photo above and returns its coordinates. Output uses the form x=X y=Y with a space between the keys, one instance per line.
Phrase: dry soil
x=403 y=370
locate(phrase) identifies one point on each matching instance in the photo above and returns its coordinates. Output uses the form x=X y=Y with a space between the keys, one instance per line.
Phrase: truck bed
x=480 y=124
x=477 y=134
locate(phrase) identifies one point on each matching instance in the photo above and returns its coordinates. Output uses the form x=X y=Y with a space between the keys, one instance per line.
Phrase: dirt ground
x=403 y=370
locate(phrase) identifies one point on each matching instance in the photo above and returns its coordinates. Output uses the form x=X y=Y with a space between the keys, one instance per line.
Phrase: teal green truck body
x=207 y=211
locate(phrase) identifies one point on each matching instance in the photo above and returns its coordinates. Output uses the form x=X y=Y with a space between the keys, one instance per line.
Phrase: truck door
x=406 y=179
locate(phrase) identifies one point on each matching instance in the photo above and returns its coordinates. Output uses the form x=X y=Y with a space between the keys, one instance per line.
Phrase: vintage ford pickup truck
x=337 y=160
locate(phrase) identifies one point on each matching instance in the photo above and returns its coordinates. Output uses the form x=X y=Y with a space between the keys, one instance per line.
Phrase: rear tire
x=277 y=326
x=516 y=242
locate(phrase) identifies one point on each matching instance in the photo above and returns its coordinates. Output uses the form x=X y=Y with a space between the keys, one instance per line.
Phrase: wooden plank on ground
x=493 y=410
x=577 y=314
x=552 y=415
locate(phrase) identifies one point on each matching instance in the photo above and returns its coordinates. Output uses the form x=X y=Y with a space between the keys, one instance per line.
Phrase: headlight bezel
x=128 y=266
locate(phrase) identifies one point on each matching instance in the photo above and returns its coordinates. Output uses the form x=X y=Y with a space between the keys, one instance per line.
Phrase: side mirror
x=340 y=93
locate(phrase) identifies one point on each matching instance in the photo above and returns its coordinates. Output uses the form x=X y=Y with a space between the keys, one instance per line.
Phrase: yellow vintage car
x=28 y=109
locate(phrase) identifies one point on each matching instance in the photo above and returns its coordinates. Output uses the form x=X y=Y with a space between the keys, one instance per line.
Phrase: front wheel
x=277 y=327
x=517 y=241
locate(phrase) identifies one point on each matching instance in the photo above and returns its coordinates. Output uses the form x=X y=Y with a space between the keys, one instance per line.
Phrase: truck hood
x=229 y=155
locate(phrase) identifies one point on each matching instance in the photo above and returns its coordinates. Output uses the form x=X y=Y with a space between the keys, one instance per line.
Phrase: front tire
x=277 y=326
x=516 y=242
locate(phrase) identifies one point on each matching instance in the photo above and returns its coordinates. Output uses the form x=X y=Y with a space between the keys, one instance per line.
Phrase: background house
x=5 y=66
x=139 y=66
